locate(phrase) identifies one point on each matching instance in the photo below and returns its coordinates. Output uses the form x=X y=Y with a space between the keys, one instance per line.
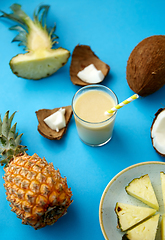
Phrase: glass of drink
x=89 y=105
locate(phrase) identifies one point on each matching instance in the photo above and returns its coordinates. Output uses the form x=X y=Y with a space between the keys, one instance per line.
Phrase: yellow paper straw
x=122 y=104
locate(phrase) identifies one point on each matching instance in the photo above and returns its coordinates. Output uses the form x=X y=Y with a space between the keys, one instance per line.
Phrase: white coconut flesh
x=158 y=132
x=91 y=75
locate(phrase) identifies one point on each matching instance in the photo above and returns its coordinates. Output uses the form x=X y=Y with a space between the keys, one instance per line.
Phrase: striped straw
x=120 y=105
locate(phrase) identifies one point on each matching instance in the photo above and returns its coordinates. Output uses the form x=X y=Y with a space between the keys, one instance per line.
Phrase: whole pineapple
x=40 y=60
x=36 y=191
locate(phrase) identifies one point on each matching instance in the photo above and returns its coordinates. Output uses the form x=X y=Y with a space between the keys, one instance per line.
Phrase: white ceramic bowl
x=115 y=192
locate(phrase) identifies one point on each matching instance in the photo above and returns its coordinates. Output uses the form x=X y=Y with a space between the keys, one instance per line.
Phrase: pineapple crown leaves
x=25 y=23
x=9 y=140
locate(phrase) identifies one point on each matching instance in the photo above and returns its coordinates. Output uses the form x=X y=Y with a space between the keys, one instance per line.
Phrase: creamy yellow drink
x=89 y=106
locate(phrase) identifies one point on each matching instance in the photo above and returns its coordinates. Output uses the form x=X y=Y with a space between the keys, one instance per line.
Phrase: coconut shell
x=146 y=66
x=46 y=131
x=156 y=115
x=82 y=57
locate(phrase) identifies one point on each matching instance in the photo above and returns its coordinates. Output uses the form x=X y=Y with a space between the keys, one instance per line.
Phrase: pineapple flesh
x=36 y=191
x=163 y=227
x=141 y=188
x=144 y=231
x=40 y=60
x=129 y=215
x=162 y=177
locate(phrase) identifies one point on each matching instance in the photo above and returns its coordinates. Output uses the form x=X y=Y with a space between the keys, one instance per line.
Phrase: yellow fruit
x=37 y=192
x=142 y=189
x=41 y=59
x=146 y=230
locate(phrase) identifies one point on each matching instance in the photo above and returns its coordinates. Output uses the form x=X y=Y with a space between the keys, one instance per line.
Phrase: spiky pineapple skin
x=36 y=191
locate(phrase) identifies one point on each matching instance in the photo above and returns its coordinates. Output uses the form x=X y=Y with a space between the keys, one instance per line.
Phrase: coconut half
x=45 y=130
x=82 y=57
x=158 y=132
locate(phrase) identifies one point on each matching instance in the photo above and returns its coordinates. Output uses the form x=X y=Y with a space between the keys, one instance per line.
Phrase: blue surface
x=112 y=29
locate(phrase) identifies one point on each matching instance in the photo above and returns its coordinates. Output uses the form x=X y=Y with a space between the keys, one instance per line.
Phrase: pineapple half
x=36 y=191
x=141 y=188
x=40 y=60
x=144 y=231
x=129 y=215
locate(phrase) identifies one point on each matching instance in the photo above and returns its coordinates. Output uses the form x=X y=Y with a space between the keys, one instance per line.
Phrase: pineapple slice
x=40 y=60
x=141 y=188
x=39 y=64
x=163 y=227
x=162 y=177
x=129 y=215
x=144 y=231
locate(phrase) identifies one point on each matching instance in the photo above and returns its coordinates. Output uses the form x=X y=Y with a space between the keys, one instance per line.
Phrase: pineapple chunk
x=141 y=188
x=144 y=231
x=162 y=177
x=39 y=64
x=163 y=227
x=129 y=215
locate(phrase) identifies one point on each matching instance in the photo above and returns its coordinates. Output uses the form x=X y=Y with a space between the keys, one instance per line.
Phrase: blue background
x=112 y=29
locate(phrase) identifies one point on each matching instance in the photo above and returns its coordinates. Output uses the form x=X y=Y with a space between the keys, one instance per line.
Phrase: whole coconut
x=145 y=70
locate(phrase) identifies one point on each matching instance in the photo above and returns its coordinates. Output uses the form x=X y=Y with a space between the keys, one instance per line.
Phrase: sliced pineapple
x=41 y=60
x=141 y=188
x=163 y=227
x=162 y=177
x=39 y=64
x=144 y=231
x=129 y=215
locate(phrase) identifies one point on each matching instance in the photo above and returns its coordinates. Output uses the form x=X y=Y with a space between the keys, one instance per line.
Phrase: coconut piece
x=82 y=57
x=91 y=75
x=56 y=121
x=45 y=130
x=158 y=132
x=146 y=66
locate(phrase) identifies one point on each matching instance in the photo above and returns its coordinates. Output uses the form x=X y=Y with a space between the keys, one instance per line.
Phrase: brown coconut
x=46 y=131
x=145 y=70
x=82 y=57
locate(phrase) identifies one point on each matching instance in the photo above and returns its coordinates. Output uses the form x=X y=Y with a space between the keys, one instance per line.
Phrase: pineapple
x=40 y=60
x=36 y=191
x=163 y=227
x=162 y=177
x=129 y=215
x=144 y=231
x=141 y=188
